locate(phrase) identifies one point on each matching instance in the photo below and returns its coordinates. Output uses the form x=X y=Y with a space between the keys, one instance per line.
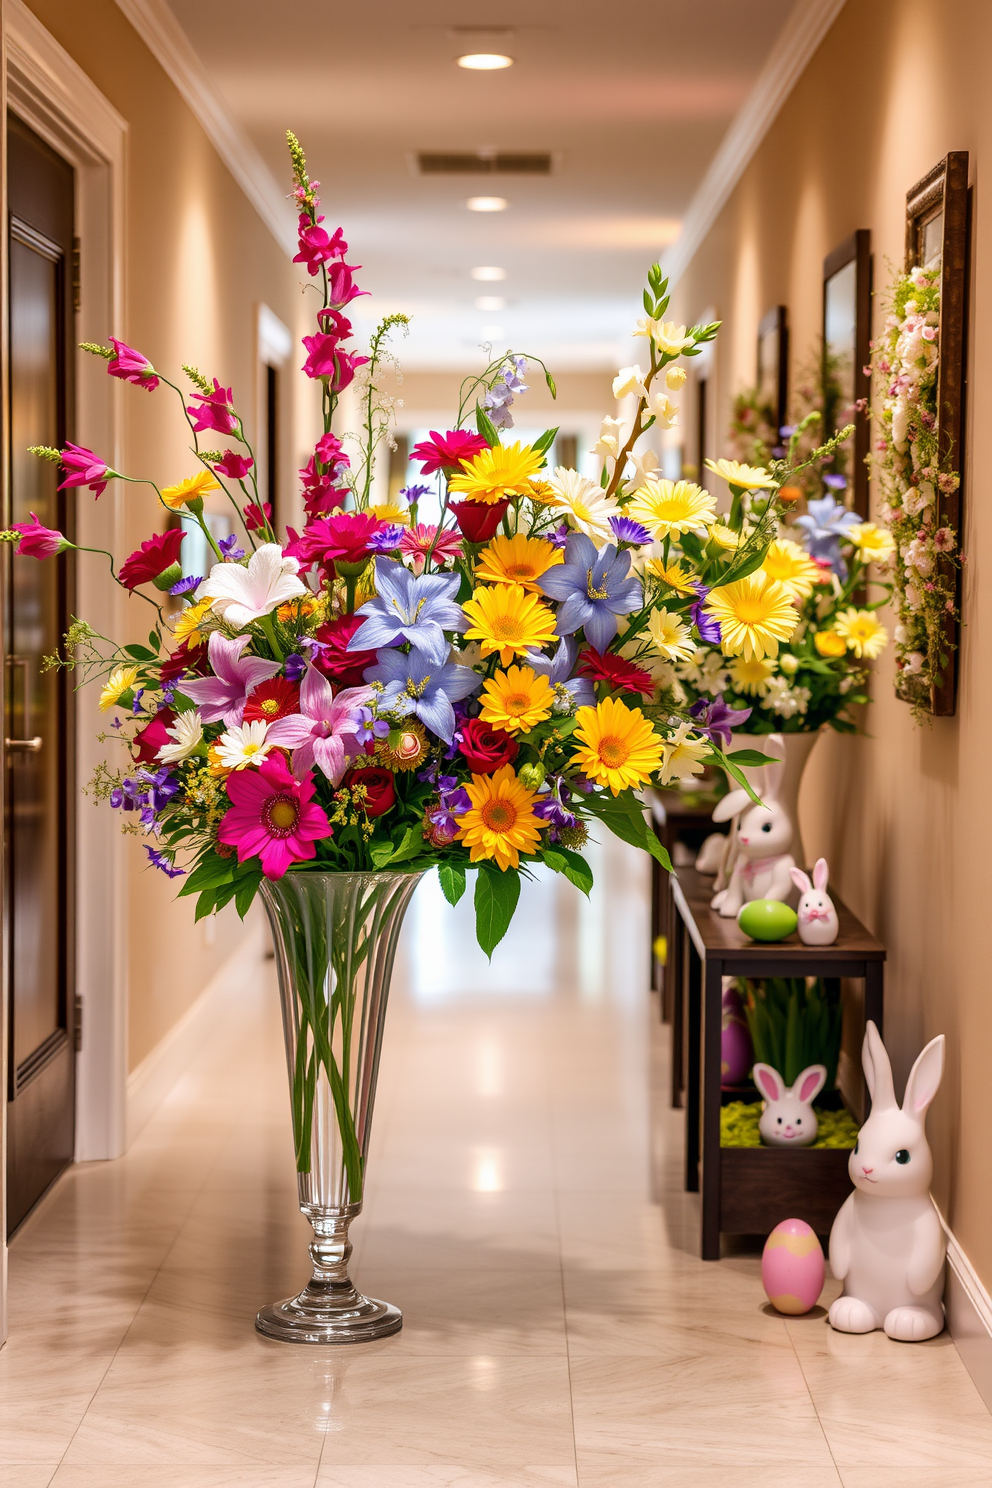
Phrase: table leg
x=693 y=978
x=655 y=972
x=675 y=990
x=874 y=974
x=712 y=1010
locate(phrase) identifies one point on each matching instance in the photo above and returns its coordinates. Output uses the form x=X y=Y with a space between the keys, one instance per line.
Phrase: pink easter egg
x=792 y=1268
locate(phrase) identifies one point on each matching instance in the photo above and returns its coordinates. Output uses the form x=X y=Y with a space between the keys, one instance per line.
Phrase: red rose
x=485 y=748
x=345 y=668
x=148 y=741
x=380 y=790
x=477 y=521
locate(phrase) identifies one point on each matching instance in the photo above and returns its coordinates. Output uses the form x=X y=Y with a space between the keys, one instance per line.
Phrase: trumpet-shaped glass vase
x=335 y=938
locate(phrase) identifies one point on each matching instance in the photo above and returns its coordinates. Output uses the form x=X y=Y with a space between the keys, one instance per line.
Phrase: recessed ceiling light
x=491 y=333
x=490 y=303
x=487 y=203
x=485 y=61
x=488 y=272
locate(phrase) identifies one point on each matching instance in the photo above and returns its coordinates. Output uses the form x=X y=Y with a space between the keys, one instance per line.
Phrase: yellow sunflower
x=874 y=544
x=500 y=823
x=829 y=643
x=670 y=508
x=744 y=477
x=494 y=473
x=751 y=677
x=678 y=579
x=792 y=566
x=191 y=619
x=194 y=488
x=505 y=618
x=755 y=614
x=517 y=560
x=862 y=633
x=516 y=700
x=620 y=747
x=121 y=680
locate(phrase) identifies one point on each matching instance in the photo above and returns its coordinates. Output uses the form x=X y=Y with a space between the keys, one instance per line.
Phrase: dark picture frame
x=937 y=231
x=846 y=350
x=773 y=364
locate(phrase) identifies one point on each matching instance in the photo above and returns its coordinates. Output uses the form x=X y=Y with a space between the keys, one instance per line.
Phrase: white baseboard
x=969 y=1316
x=151 y=1081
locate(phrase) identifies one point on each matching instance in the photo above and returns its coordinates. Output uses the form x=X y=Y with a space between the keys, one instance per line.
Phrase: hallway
x=526 y=1213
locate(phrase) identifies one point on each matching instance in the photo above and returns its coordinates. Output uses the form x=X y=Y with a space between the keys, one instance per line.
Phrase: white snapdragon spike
x=629 y=380
x=671 y=339
x=242 y=595
x=675 y=378
x=646 y=468
x=187 y=731
x=610 y=438
x=663 y=409
x=586 y=504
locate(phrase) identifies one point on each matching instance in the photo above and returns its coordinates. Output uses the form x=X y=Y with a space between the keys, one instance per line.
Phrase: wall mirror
x=773 y=364
x=846 y=338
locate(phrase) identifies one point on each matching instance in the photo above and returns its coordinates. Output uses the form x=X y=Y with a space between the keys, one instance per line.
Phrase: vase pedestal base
x=327 y=1312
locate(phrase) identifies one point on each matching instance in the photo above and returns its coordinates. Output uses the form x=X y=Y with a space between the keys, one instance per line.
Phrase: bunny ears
x=820 y=877
x=924 y=1077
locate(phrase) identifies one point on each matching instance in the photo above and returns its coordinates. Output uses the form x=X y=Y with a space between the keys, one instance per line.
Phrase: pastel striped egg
x=792 y=1268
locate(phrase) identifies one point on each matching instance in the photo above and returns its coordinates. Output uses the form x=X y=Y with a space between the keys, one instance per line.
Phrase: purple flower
x=825 y=524
x=708 y=628
x=558 y=670
x=715 y=719
x=559 y=538
x=498 y=401
x=594 y=589
x=229 y=547
x=625 y=529
x=386 y=540
x=159 y=860
x=552 y=808
x=136 y=705
x=451 y=805
x=294 y=667
x=412 y=494
x=190 y=582
x=415 y=683
x=410 y=609
x=223 y=696
x=835 y=482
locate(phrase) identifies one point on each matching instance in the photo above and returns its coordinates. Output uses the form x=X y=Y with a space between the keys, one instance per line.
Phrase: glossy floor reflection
x=526 y=1212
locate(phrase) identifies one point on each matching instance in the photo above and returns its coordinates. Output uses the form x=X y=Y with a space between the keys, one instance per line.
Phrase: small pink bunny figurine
x=818 y=924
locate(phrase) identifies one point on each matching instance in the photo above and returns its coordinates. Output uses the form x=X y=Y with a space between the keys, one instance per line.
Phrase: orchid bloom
x=223 y=696
x=242 y=595
x=327 y=730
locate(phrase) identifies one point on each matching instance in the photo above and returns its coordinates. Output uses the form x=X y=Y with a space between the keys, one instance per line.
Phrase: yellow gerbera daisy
x=726 y=537
x=683 y=755
x=500 y=823
x=505 y=618
x=517 y=560
x=755 y=614
x=121 y=679
x=671 y=636
x=874 y=544
x=396 y=516
x=516 y=700
x=751 y=676
x=670 y=508
x=744 y=477
x=792 y=566
x=541 y=492
x=829 y=643
x=191 y=618
x=620 y=747
x=194 y=488
x=678 y=579
x=494 y=473
x=862 y=632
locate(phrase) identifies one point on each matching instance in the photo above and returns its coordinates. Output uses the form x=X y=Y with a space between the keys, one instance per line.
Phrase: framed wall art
x=846 y=349
x=773 y=363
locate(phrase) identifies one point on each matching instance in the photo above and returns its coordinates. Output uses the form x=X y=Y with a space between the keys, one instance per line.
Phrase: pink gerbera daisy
x=417 y=542
x=273 y=817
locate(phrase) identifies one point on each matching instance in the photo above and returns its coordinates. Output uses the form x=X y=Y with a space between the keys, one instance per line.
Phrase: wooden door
x=38 y=789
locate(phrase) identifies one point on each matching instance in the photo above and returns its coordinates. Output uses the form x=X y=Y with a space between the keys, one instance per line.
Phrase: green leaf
x=140 y=653
x=209 y=872
x=486 y=427
x=746 y=566
x=380 y=853
x=648 y=302
x=496 y=895
x=625 y=819
x=244 y=898
x=154 y=641
x=572 y=865
x=750 y=757
x=410 y=845
x=552 y=388
x=452 y=880
x=546 y=440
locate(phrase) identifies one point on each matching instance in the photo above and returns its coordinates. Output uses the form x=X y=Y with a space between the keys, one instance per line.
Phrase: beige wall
x=901 y=813
x=198 y=261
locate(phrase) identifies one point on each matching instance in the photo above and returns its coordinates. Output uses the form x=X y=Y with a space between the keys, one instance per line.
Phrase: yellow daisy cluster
x=507 y=620
x=755 y=613
x=517 y=560
x=619 y=746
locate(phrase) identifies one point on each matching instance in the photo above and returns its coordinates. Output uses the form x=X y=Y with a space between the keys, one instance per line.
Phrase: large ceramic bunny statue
x=763 y=836
x=887 y=1244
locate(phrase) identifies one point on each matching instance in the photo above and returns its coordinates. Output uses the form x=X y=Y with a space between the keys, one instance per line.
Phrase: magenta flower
x=320 y=494
x=341 y=287
x=216 y=411
x=84 y=468
x=235 y=467
x=38 y=541
x=447 y=451
x=130 y=366
x=223 y=696
x=257 y=517
x=330 y=451
x=317 y=246
x=273 y=817
x=334 y=726
x=326 y=359
x=417 y=542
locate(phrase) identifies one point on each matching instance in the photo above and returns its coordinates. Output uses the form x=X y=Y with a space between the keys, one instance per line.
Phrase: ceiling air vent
x=497 y=162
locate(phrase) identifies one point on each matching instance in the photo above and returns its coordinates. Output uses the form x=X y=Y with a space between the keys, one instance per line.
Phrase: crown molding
x=171 y=48
x=800 y=36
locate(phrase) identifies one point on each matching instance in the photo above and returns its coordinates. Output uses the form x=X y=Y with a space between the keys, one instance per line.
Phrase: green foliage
x=496 y=895
x=486 y=427
x=452 y=880
x=794 y=1022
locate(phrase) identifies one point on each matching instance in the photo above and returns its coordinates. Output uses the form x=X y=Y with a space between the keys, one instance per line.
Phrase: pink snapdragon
x=317 y=246
x=38 y=541
x=273 y=817
x=131 y=366
x=235 y=676
x=320 y=494
x=341 y=287
x=235 y=467
x=84 y=468
x=216 y=411
x=330 y=451
x=327 y=360
x=257 y=517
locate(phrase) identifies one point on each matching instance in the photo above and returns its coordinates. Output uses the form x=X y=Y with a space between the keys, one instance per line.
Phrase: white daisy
x=588 y=506
x=187 y=731
x=237 y=748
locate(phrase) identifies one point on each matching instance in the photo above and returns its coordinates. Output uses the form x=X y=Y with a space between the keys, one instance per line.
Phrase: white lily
x=610 y=438
x=671 y=339
x=187 y=731
x=646 y=468
x=243 y=594
x=629 y=380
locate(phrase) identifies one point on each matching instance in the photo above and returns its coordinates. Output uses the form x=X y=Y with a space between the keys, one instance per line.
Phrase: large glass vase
x=335 y=938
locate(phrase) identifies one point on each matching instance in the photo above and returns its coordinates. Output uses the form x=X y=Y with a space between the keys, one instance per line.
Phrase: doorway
x=39 y=848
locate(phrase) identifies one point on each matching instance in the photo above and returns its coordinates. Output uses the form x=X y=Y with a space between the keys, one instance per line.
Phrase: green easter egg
x=767 y=919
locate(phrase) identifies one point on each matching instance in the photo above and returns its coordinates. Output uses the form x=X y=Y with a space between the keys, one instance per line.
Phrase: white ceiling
x=632 y=97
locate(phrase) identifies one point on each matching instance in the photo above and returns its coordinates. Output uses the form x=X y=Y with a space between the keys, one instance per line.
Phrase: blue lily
x=407 y=608
x=595 y=588
x=825 y=525
x=413 y=683
x=558 y=670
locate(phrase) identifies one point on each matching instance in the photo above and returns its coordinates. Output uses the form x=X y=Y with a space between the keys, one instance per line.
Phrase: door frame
x=46 y=88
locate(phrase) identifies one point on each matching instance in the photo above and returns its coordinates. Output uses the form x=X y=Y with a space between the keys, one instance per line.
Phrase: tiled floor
x=525 y=1211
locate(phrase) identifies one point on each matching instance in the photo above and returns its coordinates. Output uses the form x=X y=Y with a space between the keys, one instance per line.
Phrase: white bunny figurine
x=762 y=837
x=788 y=1119
x=818 y=923
x=887 y=1245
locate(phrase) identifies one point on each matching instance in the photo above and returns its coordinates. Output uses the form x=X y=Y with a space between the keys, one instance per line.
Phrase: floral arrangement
x=375 y=692
x=913 y=474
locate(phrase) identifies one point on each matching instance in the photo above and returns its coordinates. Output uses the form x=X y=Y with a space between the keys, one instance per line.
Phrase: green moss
x=739 y=1126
